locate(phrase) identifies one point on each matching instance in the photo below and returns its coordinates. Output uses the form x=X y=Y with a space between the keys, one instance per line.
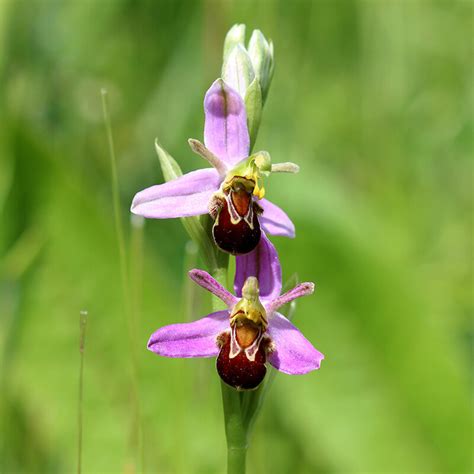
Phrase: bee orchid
x=232 y=190
x=251 y=331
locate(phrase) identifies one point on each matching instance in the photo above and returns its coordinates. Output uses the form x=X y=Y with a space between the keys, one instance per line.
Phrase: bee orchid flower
x=229 y=191
x=251 y=331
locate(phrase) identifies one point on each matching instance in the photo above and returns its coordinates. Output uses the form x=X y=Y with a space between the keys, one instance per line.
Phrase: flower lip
x=234 y=233
x=239 y=371
x=241 y=203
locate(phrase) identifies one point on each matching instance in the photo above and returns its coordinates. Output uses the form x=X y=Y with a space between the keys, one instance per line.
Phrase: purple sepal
x=293 y=353
x=196 y=339
x=205 y=280
x=274 y=220
x=225 y=128
x=188 y=195
x=262 y=263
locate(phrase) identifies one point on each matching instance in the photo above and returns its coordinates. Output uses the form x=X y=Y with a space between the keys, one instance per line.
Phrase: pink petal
x=262 y=263
x=205 y=280
x=196 y=339
x=187 y=195
x=293 y=354
x=274 y=220
x=303 y=289
x=225 y=129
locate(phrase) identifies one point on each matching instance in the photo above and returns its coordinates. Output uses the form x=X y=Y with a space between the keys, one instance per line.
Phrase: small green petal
x=253 y=105
x=261 y=54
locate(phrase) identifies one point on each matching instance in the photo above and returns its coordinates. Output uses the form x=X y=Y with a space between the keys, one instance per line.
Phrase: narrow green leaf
x=169 y=166
x=193 y=226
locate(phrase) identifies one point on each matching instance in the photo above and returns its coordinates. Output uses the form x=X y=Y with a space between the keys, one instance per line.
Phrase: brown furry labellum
x=236 y=228
x=241 y=360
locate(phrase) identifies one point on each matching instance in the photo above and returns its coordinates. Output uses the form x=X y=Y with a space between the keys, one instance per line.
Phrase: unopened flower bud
x=261 y=55
x=235 y=36
x=237 y=70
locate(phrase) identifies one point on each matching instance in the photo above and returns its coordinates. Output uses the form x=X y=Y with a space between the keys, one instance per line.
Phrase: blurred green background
x=373 y=99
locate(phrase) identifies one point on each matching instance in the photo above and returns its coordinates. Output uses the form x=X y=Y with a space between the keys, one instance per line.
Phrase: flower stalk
x=235 y=429
x=135 y=428
x=82 y=343
x=224 y=211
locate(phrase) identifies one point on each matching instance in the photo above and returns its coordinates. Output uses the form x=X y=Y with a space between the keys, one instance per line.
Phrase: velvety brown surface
x=239 y=372
x=235 y=238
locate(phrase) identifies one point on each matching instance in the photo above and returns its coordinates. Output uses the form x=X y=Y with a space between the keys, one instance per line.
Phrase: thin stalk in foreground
x=116 y=198
x=136 y=285
x=82 y=342
x=135 y=417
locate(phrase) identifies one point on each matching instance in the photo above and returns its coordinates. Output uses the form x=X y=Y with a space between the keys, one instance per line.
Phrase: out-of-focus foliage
x=373 y=99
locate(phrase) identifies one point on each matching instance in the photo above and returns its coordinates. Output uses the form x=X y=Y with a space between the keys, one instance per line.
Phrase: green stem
x=235 y=430
x=236 y=460
x=82 y=341
x=135 y=428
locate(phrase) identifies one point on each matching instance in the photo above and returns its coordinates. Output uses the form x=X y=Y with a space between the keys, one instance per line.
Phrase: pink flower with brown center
x=230 y=189
x=251 y=331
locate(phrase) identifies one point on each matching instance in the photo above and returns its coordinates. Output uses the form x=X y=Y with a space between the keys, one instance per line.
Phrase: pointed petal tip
x=153 y=344
x=297 y=368
x=150 y=343
x=198 y=275
x=209 y=283
x=303 y=289
x=135 y=203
